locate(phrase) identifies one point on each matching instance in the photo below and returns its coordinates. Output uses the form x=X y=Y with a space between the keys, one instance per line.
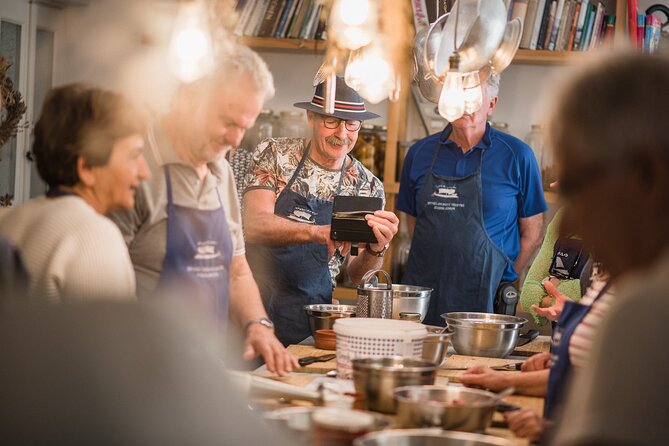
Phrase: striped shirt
x=580 y=344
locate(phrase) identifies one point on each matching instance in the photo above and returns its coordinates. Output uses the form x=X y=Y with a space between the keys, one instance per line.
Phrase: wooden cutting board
x=301 y=351
x=539 y=345
x=462 y=361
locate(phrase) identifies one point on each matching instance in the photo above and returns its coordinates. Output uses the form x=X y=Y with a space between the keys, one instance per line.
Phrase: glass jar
x=262 y=129
x=365 y=149
x=292 y=124
x=381 y=135
x=535 y=139
x=499 y=125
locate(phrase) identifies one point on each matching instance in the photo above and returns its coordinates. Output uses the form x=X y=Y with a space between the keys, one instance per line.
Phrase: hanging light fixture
x=452 y=97
x=191 y=47
x=472 y=91
x=353 y=23
x=369 y=72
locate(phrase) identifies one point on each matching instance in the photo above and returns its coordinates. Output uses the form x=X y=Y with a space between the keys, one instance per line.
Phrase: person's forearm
x=270 y=229
x=360 y=264
x=529 y=383
x=528 y=243
x=245 y=301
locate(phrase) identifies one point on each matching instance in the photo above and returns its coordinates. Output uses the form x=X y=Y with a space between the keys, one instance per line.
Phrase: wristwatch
x=262 y=321
x=378 y=253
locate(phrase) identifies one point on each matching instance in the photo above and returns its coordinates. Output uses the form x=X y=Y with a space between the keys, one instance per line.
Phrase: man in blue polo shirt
x=475 y=204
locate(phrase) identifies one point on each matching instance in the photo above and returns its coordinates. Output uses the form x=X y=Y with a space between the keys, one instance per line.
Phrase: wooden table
x=308 y=373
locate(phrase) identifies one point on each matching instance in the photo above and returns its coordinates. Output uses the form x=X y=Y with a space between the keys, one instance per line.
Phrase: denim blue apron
x=572 y=315
x=451 y=251
x=198 y=255
x=292 y=276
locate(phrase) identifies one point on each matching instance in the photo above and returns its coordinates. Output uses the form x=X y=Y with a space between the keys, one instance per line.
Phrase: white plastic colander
x=374 y=338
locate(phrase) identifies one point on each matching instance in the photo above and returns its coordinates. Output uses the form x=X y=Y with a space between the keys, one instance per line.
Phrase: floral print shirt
x=275 y=161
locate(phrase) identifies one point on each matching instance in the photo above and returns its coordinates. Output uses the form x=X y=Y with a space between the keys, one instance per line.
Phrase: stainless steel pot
x=484 y=334
x=428 y=437
x=450 y=407
x=426 y=45
x=376 y=378
x=323 y=316
x=410 y=299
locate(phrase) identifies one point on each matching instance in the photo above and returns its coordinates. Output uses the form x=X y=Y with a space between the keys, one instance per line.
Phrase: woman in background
x=88 y=148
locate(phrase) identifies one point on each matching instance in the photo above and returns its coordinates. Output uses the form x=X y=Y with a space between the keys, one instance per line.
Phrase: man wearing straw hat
x=288 y=200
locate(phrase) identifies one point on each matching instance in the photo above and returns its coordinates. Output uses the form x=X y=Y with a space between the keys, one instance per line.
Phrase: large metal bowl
x=450 y=407
x=376 y=378
x=410 y=299
x=484 y=334
x=323 y=316
x=428 y=437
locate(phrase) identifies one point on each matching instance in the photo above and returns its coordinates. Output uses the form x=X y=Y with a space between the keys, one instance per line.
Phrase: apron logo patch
x=207 y=250
x=445 y=192
x=302 y=215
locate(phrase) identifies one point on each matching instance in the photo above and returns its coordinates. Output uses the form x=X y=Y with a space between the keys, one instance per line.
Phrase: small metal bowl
x=449 y=407
x=376 y=378
x=323 y=316
x=435 y=344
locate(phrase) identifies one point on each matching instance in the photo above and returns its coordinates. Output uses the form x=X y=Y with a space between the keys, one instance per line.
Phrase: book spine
x=244 y=17
x=269 y=18
x=568 y=9
x=556 y=25
x=640 y=30
x=574 y=25
x=528 y=24
x=283 y=18
x=549 y=25
x=581 y=22
x=541 y=6
x=587 y=28
x=293 y=19
x=631 y=20
x=597 y=26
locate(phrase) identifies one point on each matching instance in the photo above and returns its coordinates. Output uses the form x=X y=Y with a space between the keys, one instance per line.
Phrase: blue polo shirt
x=509 y=174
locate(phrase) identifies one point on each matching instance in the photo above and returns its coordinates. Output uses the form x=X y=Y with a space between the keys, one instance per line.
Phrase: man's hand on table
x=484 y=377
x=526 y=423
x=540 y=361
x=261 y=340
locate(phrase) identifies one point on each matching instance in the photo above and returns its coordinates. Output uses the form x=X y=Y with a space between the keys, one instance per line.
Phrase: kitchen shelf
x=284 y=45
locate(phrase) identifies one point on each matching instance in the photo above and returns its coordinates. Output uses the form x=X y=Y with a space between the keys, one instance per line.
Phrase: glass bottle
x=535 y=139
x=364 y=148
x=499 y=125
x=292 y=124
x=262 y=129
x=381 y=136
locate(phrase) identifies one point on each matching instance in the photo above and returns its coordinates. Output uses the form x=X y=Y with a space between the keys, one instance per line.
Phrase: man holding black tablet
x=288 y=203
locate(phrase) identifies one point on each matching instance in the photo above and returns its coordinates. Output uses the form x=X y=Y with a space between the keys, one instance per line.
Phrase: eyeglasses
x=333 y=123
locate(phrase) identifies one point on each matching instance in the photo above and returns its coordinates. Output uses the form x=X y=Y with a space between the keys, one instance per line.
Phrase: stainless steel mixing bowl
x=449 y=407
x=410 y=299
x=323 y=316
x=428 y=437
x=484 y=334
x=435 y=344
x=376 y=378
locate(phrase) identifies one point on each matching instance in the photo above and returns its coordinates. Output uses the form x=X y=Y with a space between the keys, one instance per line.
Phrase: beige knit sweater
x=70 y=251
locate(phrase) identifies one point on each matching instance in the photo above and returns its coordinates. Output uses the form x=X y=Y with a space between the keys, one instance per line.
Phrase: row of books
x=283 y=19
x=562 y=25
x=648 y=32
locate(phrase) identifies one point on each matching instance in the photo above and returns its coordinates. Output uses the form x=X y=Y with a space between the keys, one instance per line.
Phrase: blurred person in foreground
x=288 y=200
x=612 y=150
x=184 y=233
x=118 y=373
x=88 y=147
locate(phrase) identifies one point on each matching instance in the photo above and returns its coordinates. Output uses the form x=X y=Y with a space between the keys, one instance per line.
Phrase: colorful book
x=559 y=41
x=270 y=18
x=244 y=17
x=609 y=29
x=519 y=10
x=656 y=26
x=587 y=28
x=299 y=20
x=541 y=6
x=574 y=24
x=256 y=17
x=550 y=24
x=283 y=18
x=544 y=24
x=631 y=20
x=640 y=30
x=597 y=26
x=528 y=23
x=581 y=22
x=293 y=18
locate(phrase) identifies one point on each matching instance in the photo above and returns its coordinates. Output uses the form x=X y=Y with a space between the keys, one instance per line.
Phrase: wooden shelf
x=284 y=45
x=545 y=57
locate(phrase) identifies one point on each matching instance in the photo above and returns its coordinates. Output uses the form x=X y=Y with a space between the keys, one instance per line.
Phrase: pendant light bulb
x=354 y=71
x=191 y=46
x=353 y=12
x=452 y=98
x=473 y=93
x=375 y=73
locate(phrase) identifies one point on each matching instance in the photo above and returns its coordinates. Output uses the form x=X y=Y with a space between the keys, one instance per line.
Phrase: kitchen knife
x=311 y=359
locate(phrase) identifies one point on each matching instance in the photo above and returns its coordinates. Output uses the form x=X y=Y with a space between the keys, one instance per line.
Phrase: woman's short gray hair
x=492 y=84
x=239 y=60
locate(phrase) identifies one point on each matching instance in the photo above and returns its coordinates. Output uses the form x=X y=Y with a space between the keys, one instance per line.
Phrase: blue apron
x=198 y=255
x=572 y=315
x=292 y=276
x=451 y=251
